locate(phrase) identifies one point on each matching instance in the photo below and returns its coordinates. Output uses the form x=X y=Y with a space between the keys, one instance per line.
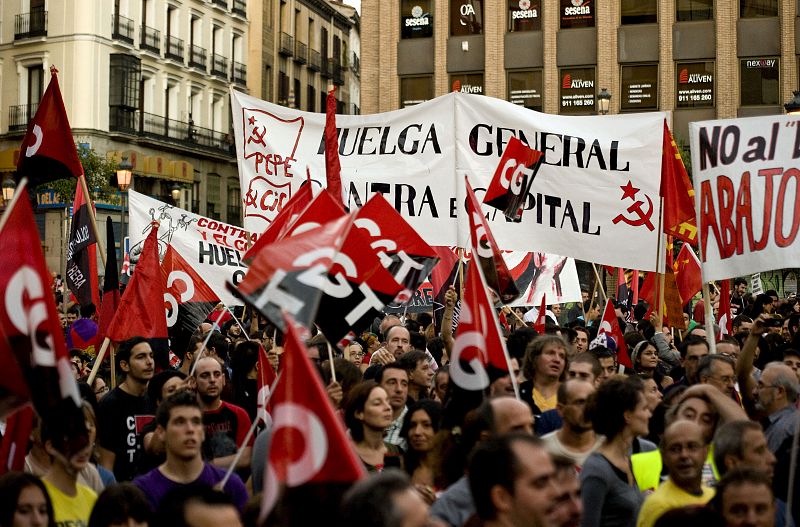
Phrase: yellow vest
x=647 y=467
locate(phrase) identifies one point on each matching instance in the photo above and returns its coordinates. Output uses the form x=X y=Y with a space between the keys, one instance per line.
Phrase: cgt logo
x=26 y=307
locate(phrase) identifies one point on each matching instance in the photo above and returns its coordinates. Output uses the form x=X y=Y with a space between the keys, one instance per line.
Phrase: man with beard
x=576 y=439
x=226 y=424
x=120 y=413
x=683 y=451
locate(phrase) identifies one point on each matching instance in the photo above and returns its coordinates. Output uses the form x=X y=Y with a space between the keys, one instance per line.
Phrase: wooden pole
x=98 y=360
x=330 y=360
x=599 y=283
x=88 y=198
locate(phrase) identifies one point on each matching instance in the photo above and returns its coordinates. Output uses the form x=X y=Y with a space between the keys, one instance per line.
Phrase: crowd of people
x=685 y=436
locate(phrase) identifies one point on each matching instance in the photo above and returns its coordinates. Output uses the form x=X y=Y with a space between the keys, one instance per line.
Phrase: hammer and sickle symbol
x=636 y=209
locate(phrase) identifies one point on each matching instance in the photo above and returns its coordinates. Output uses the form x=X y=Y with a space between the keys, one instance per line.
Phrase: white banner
x=746 y=194
x=214 y=249
x=596 y=196
x=554 y=276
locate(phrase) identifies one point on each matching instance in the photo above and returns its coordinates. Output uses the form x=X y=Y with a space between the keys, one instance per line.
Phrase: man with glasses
x=718 y=371
x=576 y=439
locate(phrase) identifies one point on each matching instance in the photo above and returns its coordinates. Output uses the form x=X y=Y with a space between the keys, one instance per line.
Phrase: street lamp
x=8 y=189
x=603 y=101
x=176 y=192
x=793 y=106
x=124 y=174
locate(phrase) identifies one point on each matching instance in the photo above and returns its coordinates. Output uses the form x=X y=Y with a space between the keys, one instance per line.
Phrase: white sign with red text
x=596 y=196
x=213 y=248
x=746 y=180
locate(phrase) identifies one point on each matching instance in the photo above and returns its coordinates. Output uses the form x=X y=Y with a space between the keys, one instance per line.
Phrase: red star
x=252 y=120
x=629 y=191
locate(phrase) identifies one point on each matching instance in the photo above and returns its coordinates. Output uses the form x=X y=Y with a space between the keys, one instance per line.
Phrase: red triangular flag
x=486 y=251
x=266 y=378
x=141 y=309
x=296 y=204
x=541 y=316
x=478 y=345
x=513 y=178
x=308 y=443
x=111 y=297
x=724 y=311
x=14 y=445
x=320 y=210
x=610 y=333
x=687 y=274
x=81 y=252
x=48 y=150
x=333 y=170
x=677 y=191
x=443 y=275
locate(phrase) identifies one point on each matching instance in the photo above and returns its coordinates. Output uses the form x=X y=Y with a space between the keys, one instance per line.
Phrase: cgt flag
x=479 y=353
x=81 y=252
x=309 y=443
x=486 y=251
x=296 y=204
x=48 y=150
x=513 y=178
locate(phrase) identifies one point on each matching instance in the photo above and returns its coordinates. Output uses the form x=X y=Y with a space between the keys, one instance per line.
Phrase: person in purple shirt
x=180 y=421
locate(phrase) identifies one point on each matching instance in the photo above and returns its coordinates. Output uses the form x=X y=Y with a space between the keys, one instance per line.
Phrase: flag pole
x=599 y=282
x=244 y=331
x=98 y=360
x=330 y=359
x=710 y=337
x=202 y=348
x=92 y=218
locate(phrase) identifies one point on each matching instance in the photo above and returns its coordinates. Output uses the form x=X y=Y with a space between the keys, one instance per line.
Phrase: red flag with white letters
x=309 y=443
x=296 y=204
x=266 y=378
x=513 y=178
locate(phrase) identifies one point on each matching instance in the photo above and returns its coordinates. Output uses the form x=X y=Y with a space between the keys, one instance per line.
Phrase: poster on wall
x=695 y=85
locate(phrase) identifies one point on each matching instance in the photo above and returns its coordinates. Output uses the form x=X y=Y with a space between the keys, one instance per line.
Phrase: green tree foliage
x=99 y=173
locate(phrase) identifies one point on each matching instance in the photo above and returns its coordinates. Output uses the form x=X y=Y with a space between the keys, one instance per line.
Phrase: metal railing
x=122 y=28
x=150 y=39
x=286 y=45
x=197 y=57
x=239 y=73
x=300 y=52
x=174 y=48
x=33 y=24
x=20 y=115
x=314 y=60
x=326 y=67
x=338 y=73
x=239 y=7
x=169 y=130
x=219 y=66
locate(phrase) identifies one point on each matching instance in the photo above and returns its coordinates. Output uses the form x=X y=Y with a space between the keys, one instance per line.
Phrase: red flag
x=14 y=445
x=635 y=280
x=478 y=346
x=678 y=193
x=611 y=333
x=81 y=252
x=48 y=150
x=541 y=316
x=333 y=170
x=141 y=309
x=724 y=311
x=320 y=210
x=32 y=348
x=188 y=299
x=110 y=302
x=486 y=251
x=444 y=275
x=309 y=443
x=513 y=178
x=266 y=378
x=296 y=204
x=687 y=274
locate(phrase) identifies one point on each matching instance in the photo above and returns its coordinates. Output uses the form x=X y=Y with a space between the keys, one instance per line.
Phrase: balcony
x=314 y=60
x=239 y=8
x=150 y=39
x=122 y=29
x=300 y=52
x=287 y=45
x=197 y=57
x=219 y=66
x=174 y=48
x=239 y=73
x=325 y=68
x=29 y=25
x=163 y=129
x=220 y=3
x=19 y=116
x=338 y=73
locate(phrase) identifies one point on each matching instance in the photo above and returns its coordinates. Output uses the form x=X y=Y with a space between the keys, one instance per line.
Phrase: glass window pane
x=416 y=20
x=758 y=8
x=414 y=90
x=467 y=83
x=639 y=11
x=577 y=13
x=524 y=15
x=694 y=85
x=759 y=78
x=525 y=89
x=466 y=17
x=687 y=10
x=640 y=87
x=577 y=95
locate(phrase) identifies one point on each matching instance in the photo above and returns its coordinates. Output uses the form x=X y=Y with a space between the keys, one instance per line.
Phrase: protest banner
x=746 y=194
x=212 y=248
x=596 y=196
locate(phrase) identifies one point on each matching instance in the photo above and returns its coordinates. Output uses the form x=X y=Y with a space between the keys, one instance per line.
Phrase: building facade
x=699 y=59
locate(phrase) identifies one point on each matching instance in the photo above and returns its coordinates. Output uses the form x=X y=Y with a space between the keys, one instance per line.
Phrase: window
x=213 y=197
x=640 y=87
x=759 y=81
x=414 y=90
x=639 y=11
x=311 y=98
x=694 y=85
x=577 y=96
x=577 y=13
x=416 y=20
x=525 y=89
x=467 y=83
x=524 y=15
x=35 y=84
x=466 y=17
x=125 y=75
x=758 y=8
x=298 y=95
x=687 y=10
